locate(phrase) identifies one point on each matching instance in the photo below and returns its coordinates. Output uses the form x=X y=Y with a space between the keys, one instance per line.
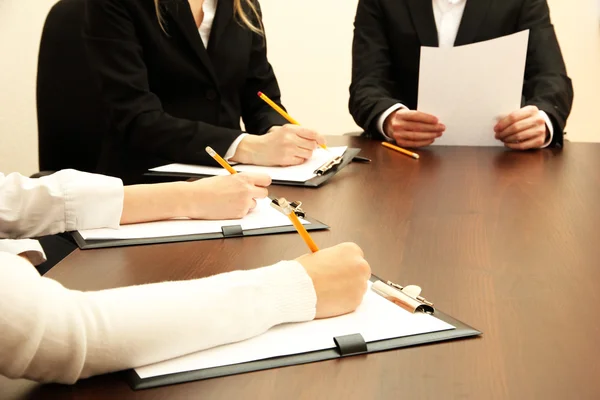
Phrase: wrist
x=245 y=151
x=181 y=199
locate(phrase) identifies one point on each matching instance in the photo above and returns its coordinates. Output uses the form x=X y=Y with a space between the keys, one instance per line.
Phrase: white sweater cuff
x=291 y=292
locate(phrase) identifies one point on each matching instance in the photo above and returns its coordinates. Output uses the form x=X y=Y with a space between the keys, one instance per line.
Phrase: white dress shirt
x=64 y=201
x=50 y=333
x=209 y=8
x=448 y=15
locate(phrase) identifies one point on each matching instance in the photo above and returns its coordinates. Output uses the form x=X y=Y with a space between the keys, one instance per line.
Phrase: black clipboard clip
x=408 y=297
x=328 y=166
x=295 y=205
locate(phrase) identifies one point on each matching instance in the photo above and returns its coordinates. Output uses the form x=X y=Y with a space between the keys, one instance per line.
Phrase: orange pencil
x=220 y=160
x=281 y=111
x=287 y=209
x=401 y=150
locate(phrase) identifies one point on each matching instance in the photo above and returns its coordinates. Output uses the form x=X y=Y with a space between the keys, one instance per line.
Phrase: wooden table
x=507 y=242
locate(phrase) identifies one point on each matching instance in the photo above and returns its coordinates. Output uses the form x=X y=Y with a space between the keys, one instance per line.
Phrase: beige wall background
x=309 y=46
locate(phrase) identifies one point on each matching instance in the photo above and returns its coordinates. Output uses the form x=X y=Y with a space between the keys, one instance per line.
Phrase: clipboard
x=345 y=346
x=315 y=182
x=227 y=231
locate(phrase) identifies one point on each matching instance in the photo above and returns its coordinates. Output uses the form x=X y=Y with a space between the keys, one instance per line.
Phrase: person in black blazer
x=388 y=36
x=170 y=95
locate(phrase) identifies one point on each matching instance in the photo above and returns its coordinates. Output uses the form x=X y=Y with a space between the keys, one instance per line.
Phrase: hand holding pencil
x=339 y=275
x=286 y=145
x=282 y=146
x=283 y=113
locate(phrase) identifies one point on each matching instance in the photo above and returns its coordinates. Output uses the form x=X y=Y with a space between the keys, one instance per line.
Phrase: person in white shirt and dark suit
x=50 y=333
x=388 y=35
x=177 y=76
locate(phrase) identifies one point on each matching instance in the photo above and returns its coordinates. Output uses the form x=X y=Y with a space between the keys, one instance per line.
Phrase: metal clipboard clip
x=408 y=297
x=328 y=166
x=295 y=205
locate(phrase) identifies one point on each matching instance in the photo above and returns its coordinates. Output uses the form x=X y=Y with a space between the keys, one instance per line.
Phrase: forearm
x=143 y=203
x=46 y=325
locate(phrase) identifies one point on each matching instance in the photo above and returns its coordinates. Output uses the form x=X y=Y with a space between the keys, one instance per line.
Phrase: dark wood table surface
x=507 y=242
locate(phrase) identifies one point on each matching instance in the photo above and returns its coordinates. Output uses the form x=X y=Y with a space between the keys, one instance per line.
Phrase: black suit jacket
x=388 y=35
x=169 y=97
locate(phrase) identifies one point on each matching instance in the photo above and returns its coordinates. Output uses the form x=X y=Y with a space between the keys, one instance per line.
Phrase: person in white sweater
x=49 y=333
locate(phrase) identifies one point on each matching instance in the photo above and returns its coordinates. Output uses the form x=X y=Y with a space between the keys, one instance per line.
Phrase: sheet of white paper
x=376 y=319
x=296 y=173
x=469 y=88
x=263 y=216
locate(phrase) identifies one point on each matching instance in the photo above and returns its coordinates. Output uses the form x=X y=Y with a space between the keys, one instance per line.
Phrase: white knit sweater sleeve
x=52 y=334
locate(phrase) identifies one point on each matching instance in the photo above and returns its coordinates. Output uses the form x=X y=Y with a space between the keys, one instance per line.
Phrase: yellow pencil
x=281 y=111
x=401 y=150
x=220 y=160
x=287 y=209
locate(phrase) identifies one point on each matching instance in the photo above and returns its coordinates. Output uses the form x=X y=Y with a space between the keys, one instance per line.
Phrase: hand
x=281 y=146
x=340 y=276
x=225 y=197
x=523 y=129
x=411 y=128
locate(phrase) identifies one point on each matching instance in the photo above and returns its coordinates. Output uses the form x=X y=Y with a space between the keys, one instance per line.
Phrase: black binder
x=313 y=183
x=228 y=231
x=346 y=346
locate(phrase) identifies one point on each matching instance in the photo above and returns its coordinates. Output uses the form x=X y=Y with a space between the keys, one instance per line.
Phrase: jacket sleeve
x=258 y=116
x=547 y=85
x=372 y=84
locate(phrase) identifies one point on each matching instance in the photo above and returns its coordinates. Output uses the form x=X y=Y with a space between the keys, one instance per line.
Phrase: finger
x=320 y=139
x=526 y=134
x=413 y=143
x=419 y=127
x=520 y=126
x=366 y=269
x=418 y=116
x=258 y=192
x=516 y=116
x=305 y=133
x=305 y=144
x=533 y=143
x=252 y=205
x=416 y=136
x=262 y=180
x=301 y=153
x=293 y=160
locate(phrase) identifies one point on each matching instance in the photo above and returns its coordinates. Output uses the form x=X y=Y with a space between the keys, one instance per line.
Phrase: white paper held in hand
x=469 y=88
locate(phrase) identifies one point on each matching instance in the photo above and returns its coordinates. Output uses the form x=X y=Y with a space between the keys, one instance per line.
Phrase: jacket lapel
x=182 y=16
x=473 y=17
x=421 y=12
x=223 y=17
